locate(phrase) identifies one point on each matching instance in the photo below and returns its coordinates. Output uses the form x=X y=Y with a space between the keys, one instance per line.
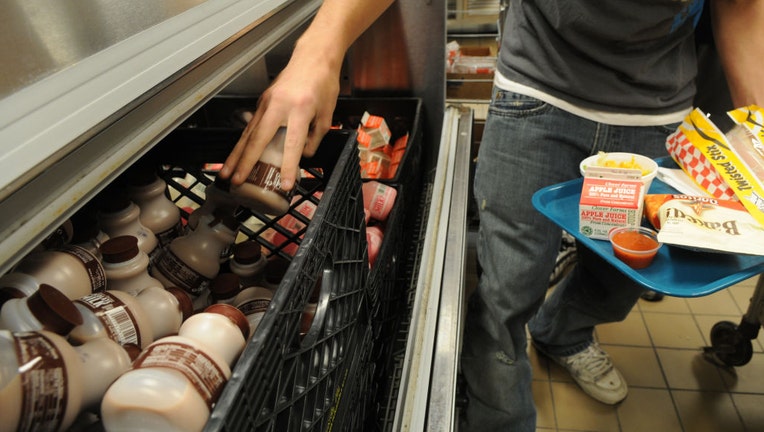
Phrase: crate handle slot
x=327 y=287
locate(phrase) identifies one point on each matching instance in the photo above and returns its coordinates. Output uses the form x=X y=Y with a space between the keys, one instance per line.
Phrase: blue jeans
x=527 y=145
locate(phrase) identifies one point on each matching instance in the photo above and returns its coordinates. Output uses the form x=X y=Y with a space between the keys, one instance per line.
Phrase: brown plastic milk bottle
x=126 y=266
x=175 y=382
x=120 y=216
x=59 y=237
x=45 y=382
x=191 y=261
x=224 y=288
x=158 y=213
x=139 y=321
x=46 y=309
x=72 y=270
x=248 y=262
x=216 y=197
x=253 y=302
x=261 y=191
x=274 y=272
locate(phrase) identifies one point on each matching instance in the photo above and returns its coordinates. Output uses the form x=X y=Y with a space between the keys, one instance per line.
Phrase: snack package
x=704 y=224
x=685 y=145
x=715 y=148
x=746 y=137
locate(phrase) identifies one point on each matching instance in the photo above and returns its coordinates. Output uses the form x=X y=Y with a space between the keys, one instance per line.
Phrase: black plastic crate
x=284 y=381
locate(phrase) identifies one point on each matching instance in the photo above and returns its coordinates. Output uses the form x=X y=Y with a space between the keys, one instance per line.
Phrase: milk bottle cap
x=54 y=310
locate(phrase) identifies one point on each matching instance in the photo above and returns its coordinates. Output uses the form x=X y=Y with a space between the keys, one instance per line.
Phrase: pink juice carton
x=610 y=197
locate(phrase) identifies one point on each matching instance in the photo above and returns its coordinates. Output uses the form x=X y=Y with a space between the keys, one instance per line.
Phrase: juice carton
x=610 y=197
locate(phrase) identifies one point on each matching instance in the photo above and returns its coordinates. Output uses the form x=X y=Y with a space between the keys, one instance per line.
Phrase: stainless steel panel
x=42 y=37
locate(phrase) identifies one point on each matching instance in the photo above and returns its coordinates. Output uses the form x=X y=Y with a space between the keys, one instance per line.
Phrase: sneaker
x=595 y=373
x=566 y=259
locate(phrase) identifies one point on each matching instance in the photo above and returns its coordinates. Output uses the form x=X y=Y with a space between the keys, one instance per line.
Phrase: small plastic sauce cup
x=634 y=246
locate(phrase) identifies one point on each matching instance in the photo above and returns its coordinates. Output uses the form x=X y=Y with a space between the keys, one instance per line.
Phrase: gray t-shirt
x=621 y=56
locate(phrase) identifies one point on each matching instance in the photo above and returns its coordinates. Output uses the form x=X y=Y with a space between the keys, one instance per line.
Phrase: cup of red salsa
x=634 y=246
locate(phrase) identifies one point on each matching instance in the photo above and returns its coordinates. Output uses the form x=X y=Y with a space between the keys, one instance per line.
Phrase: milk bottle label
x=43 y=380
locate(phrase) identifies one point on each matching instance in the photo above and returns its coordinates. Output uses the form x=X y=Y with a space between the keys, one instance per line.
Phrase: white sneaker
x=595 y=373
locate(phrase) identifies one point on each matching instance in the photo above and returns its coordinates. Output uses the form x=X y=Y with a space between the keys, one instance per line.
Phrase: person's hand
x=302 y=98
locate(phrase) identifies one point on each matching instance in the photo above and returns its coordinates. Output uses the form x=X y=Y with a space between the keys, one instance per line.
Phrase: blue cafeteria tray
x=675 y=271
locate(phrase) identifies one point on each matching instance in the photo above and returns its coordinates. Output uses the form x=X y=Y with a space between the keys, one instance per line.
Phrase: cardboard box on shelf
x=471 y=83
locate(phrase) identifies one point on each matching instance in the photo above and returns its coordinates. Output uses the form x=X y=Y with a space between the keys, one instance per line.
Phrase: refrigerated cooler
x=93 y=88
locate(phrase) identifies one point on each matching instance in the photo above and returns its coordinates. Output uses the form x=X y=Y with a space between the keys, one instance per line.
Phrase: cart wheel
x=729 y=345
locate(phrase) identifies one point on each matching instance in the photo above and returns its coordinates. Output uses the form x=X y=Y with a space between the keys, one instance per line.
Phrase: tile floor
x=672 y=388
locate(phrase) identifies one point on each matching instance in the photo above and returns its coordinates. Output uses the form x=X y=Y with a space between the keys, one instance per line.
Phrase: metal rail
x=428 y=382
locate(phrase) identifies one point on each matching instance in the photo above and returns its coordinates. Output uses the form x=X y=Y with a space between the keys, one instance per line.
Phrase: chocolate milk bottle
x=224 y=288
x=72 y=270
x=87 y=233
x=216 y=197
x=253 y=302
x=45 y=382
x=190 y=369
x=261 y=191
x=274 y=272
x=158 y=213
x=16 y=285
x=46 y=309
x=58 y=238
x=126 y=266
x=119 y=216
x=191 y=261
x=248 y=262
x=129 y=320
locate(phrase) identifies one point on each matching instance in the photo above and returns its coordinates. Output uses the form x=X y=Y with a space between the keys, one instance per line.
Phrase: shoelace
x=592 y=360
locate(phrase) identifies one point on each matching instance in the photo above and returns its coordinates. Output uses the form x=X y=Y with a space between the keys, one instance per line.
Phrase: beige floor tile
x=749 y=406
x=542 y=396
x=648 y=410
x=673 y=330
x=687 y=370
x=577 y=411
x=638 y=365
x=718 y=303
x=747 y=378
x=742 y=294
x=667 y=304
x=558 y=373
x=707 y=411
x=631 y=331
x=539 y=364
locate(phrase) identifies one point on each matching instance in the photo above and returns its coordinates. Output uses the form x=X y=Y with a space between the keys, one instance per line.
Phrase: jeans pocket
x=510 y=104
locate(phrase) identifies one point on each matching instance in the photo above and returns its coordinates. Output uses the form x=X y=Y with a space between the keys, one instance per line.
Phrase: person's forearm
x=336 y=26
x=739 y=36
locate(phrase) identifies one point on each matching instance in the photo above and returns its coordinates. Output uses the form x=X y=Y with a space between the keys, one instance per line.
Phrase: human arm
x=739 y=36
x=304 y=94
